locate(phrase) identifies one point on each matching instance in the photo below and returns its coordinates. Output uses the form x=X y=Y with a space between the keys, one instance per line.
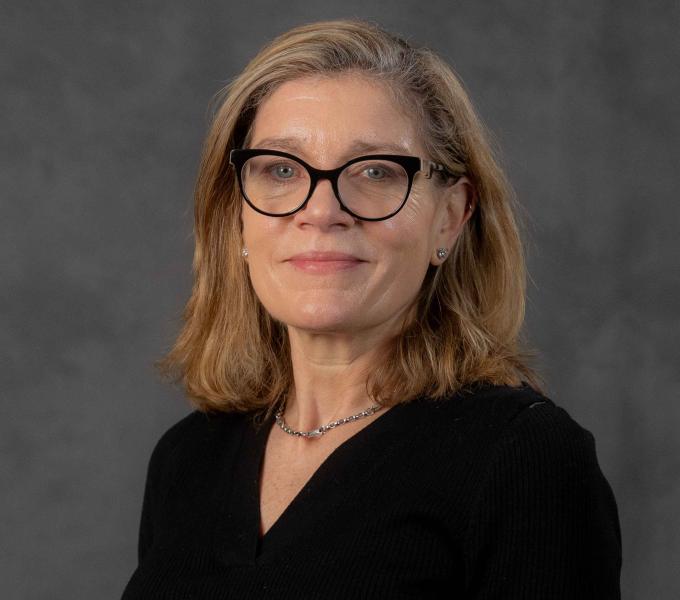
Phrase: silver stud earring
x=244 y=252
x=441 y=253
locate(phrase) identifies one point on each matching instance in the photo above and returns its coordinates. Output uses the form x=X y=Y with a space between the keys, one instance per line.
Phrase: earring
x=441 y=253
x=244 y=252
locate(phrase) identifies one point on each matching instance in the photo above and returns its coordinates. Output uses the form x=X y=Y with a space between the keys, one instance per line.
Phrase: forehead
x=346 y=113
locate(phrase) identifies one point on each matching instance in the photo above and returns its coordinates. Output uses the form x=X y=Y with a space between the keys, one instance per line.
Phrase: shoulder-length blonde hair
x=463 y=326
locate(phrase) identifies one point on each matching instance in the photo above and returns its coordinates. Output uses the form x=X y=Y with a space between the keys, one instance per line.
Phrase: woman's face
x=322 y=270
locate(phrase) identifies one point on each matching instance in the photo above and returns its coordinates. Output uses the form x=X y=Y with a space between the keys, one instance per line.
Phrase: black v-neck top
x=494 y=493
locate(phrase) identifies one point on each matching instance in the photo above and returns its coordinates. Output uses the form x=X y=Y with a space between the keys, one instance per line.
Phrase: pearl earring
x=244 y=252
x=441 y=253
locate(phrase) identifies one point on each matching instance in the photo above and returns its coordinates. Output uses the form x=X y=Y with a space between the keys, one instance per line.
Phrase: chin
x=320 y=318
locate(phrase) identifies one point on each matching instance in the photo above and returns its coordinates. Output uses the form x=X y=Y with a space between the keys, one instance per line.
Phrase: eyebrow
x=290 y=144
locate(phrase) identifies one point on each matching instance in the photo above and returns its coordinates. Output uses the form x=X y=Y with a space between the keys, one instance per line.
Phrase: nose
x=323 y=209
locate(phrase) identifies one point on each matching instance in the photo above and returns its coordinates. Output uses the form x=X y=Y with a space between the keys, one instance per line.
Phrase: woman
x=366 y=423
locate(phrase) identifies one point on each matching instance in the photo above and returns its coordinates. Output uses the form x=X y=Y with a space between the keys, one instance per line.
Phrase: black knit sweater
x=493 y=493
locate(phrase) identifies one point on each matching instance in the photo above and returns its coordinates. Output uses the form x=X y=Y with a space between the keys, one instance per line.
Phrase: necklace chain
x=319 y=431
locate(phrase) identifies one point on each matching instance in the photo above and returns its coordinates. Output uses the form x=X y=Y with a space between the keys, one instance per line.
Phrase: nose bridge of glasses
x=318 y=175
x=321 y=174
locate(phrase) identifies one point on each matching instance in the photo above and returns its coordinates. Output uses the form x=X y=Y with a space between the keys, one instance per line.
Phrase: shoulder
x=522 y=412
x=181 y=431
x=543 y=448
x=198 y=424
x=525 y=454
x=186 y=439
x=488 y=413
x=495 y=430
x=524 y=418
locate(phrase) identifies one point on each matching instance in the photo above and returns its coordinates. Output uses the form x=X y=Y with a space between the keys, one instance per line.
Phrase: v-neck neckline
x=238 y=532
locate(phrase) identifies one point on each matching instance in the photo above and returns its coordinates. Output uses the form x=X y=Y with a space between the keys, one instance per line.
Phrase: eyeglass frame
x=411 y=164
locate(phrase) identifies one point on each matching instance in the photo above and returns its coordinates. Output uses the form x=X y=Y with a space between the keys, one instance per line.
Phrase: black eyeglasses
x=371 y=188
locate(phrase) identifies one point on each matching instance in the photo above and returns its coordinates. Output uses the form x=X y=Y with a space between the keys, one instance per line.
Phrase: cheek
x=407 y=242
x=260 y=236
x=411 y=230
x=257 y=229
x=405 y=253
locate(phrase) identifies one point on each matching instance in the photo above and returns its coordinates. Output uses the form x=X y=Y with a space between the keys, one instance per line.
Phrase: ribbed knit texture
x=495 y=493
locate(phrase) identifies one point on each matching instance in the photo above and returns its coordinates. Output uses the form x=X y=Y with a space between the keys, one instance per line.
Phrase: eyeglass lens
x=370 y=189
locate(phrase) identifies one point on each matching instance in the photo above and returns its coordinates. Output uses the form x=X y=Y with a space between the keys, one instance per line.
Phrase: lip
x=324 y=262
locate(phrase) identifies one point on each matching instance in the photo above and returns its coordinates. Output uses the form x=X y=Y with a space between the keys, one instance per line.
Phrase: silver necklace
x=319 y=431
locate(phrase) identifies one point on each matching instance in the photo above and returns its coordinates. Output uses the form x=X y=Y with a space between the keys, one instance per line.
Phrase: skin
x=337 y=315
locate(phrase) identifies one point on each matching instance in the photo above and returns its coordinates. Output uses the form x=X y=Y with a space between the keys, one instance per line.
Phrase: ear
x=456 y=205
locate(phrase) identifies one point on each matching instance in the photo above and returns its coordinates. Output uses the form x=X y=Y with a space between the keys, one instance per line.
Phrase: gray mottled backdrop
x=103 y=108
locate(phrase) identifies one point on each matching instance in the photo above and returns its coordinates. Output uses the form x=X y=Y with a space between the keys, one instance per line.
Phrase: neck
x=330 y=372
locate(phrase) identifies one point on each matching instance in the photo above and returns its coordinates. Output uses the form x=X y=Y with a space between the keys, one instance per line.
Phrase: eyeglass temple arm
x=428 y=167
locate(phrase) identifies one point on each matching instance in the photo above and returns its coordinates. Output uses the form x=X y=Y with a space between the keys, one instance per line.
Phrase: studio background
x=103 y=111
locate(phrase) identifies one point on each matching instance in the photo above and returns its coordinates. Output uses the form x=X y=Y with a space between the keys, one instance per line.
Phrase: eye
x=373 y=171
x=282 y=171
x=376 y=172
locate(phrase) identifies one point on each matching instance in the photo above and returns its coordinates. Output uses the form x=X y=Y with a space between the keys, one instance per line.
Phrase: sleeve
x=157 y=478
x=146 y=524
x=545 y=524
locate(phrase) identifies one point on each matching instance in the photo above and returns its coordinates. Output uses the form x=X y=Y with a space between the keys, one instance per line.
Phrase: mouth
x=325 y=262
